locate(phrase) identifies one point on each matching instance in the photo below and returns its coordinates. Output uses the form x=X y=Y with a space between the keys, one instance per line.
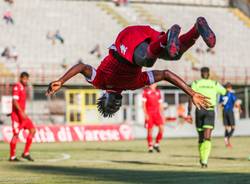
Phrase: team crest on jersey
x=123 y=49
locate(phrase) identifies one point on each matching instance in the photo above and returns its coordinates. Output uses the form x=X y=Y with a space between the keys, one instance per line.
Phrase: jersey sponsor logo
x=123 y=49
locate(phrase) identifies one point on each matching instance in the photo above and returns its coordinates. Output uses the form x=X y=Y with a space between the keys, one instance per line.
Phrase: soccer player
x=153 y=110
x=19 y=118
x=228 y=102
x=136 y=47
x=205 y=118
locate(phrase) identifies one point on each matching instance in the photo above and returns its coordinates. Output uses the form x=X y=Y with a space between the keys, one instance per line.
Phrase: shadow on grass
x=217 y=158
x=151 y=163
x=136 y=176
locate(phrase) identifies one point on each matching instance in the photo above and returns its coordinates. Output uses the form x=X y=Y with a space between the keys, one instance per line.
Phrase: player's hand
x=189 y=119
x=201 y=101
x=53 y=87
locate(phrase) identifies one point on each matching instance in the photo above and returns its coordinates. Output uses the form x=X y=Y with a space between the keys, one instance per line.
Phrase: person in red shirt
x=136 y=47
x=153 y=110
x=19 y=118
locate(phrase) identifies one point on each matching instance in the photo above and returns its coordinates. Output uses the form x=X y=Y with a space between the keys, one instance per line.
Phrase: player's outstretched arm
x=198 y=99
x=82 y=68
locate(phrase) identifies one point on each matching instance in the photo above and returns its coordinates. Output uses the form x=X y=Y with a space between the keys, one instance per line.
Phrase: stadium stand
x=84 y=24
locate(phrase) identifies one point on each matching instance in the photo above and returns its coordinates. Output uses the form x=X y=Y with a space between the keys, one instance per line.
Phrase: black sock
x=226 y=134
x=230 y=134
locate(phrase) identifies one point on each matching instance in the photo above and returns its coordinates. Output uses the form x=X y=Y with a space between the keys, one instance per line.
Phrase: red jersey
x=19 y=94
x=130 y=37
x=117 y=76
x=152 y=99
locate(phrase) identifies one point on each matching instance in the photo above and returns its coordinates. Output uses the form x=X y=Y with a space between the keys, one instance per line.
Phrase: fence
x=78 y=107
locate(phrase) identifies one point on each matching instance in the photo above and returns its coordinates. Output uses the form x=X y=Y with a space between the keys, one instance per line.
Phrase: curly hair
x=109 y=110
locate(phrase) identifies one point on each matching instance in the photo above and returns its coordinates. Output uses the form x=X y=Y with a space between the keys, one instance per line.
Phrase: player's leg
x=159 y=138
x=202 y=28
x=232 y=127
x=15 y=129
x=227 y=127
x=13 y=143
x=146 y=53
x=149 y=127
x=31 y=128
x=187 y=40
x=167 y=43
x=226 y=135
x=150 y=139
x=208 y=126
x=200 y=141
x=206 y=146
x=199 y=118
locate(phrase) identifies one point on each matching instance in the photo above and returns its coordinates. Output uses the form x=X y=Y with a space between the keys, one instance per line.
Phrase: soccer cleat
x=27 y=157
x=229 y=145
x=14 y=159
x=206 y=32
x=173 y=45
x=150 y=149
x=157 y=148
x=203 y=165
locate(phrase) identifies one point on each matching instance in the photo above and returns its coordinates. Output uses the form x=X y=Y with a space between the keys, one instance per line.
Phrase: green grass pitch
x=128 y=162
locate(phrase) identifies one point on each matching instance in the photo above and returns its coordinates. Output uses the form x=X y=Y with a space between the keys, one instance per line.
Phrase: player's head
x=229 y=86
x=24 y=77
x=153 y=86
x=109 y=103
x=205 y=72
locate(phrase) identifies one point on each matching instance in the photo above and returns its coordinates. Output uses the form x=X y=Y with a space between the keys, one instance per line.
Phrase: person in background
x=205 y=118
x=19 y=118
x=228 y=102
x=153 y=110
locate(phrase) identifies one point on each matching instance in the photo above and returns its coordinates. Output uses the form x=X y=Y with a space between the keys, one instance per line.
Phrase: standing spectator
x=153 y=110
x=228 y=102
x=97 y=50
x=205 y=118
x=7 y=16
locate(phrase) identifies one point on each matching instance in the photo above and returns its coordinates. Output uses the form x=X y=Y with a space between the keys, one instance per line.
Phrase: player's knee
x=15 y=136
x=150 y=130
x=161 y=129
x=33 y=131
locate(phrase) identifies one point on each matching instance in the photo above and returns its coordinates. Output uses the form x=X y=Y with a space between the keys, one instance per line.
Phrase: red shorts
x=113 y=75
x=155 y=119
x=18 y=123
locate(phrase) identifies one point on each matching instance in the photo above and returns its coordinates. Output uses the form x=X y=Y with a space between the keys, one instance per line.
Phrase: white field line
x=62 y=157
